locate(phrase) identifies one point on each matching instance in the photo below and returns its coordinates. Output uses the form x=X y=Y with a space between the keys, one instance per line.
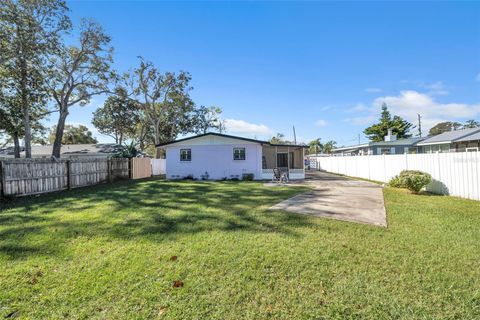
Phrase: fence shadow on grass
x=151 y=209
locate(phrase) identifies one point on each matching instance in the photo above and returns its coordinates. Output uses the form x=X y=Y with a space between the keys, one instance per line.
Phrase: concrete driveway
x=339 y=198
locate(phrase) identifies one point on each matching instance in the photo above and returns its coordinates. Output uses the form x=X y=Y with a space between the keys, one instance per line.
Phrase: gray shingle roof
x=450 y=136
x=475 y=136
x=72 y=149
x=399 y=142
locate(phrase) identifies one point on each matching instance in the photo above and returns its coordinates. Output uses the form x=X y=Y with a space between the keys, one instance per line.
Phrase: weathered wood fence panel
x=88 y=172
x=24 y=177
x=119 y=169
x=20 y=177
x=141 y=168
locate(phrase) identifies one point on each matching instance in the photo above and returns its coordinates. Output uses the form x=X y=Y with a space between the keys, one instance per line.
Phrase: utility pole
x=294 y=136
x=359 y=138
x=419 y=125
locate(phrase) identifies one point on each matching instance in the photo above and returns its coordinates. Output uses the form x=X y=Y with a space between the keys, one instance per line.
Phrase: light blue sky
x=324 y=67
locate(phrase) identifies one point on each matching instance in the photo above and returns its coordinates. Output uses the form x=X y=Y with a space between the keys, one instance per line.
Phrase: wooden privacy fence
x=141 y=168
x=453 y=173
x=21 y=177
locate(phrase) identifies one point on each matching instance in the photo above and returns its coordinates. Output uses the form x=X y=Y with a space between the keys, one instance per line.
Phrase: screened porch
x=286 y=158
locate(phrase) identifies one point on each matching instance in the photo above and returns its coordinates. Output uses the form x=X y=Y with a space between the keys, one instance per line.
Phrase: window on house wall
x=238 y=153
x=444 y=148
x=412 y=150
x=385 y=151
x=437 y=148
x=185 y=154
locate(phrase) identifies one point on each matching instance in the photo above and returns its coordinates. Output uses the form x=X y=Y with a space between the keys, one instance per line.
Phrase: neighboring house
x=453 y=141
x=390 y=145
x=69 y=151
x=219 y=156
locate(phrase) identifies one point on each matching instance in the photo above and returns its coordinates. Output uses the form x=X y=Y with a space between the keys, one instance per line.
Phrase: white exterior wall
x=453 y=173
x=213 y=154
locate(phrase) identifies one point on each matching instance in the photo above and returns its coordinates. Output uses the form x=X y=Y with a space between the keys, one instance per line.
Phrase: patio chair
x=279 y=176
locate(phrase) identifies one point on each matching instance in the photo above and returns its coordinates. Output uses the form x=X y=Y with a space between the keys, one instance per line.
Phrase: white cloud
x=373 y=90
x=321 y=123
x=435 y=88
x=359 y=107
x=326 y=108
x=409 y=103
x=240 y=126
x=361 y=121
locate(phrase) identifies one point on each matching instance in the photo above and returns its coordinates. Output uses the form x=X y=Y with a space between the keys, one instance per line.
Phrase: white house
x=219 y=156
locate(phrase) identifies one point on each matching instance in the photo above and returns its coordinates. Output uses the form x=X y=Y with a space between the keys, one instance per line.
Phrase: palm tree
x=329 y=146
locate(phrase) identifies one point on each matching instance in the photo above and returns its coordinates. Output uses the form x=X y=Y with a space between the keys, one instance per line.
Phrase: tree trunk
x=25 y=110
x=157 y=134
x=16 y=144
x=57 y=144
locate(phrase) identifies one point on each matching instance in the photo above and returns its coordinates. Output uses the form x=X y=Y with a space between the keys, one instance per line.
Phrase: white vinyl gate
x=158 y=166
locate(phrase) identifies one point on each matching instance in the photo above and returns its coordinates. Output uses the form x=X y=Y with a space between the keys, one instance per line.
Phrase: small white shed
x=218 y=156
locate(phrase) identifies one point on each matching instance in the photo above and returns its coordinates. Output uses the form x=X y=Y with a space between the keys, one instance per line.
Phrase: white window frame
x=244 y=153
x=381 y=149
x=188 y=152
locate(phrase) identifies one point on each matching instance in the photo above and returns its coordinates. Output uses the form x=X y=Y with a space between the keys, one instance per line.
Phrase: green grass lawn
x=105 y=252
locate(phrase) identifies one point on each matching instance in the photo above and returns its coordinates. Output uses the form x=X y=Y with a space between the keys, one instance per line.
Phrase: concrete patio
x=340 y=198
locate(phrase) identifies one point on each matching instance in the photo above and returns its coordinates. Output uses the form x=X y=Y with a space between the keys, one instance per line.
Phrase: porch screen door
x=282 y=160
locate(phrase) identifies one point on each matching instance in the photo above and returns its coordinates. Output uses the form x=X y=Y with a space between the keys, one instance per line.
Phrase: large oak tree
x=118 y=118
x=164 y=100
x=30 y=33
x=74 y=135
x=444 y=127
x=79 y=73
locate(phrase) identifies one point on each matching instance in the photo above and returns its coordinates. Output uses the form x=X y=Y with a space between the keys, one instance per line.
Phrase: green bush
x=396 y=182
x=248 y=177
x=413 y=180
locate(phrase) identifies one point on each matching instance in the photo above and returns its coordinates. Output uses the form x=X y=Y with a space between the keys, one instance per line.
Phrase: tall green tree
x=315 y=146
x=205 y=119
x=164 y=100
x=329 y=146
x=118 y=117
x=10 y=127
x=279 y=139
x=30 y=33
x=11 y=117
x=471 y=124
x=79 y=73
x=444 y=127
x=74 y=135
x=378 y=131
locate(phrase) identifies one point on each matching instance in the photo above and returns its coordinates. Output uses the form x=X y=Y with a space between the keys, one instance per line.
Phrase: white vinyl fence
x=456 y=173
x=158 y=166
